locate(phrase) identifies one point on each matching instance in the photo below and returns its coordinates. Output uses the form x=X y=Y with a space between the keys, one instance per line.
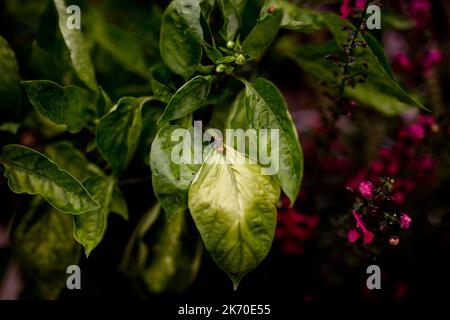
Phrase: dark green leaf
x=63 y=105
x=72 y=160
x=262 y=34
x=119 y=131
x=181 y=37
x=119 y=204
x=30 y=172
x=267 y=109
x=191 y=96
x=9 y=75
x=236 y=220
x=89 y=228
x=231 y=12
x=171 y=181
x=43 y=243
x=295 y=18
x=174 y=257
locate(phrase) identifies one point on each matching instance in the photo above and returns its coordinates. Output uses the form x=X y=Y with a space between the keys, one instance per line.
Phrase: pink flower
x=353 y=236
x=402 y=63
x=430 y=59
x=367 y=235
x=420 y=12
x=417 y=132
x=405 y=221
x=346 y=8
x=366 y=189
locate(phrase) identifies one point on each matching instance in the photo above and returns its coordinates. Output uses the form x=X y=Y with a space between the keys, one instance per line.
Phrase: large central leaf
x=233 y=206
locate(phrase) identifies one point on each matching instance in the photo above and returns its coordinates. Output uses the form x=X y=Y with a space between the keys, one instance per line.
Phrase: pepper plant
x=206 y=67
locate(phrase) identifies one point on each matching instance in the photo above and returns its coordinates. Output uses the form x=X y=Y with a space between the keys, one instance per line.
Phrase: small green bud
x=230 y=44
x=220 y=68
x=240 y=59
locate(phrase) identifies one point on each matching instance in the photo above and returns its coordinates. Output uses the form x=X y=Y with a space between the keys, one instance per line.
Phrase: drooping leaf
x=9 y=76
x=262 y=34
x=63 y=105
x=191 y=96
x=267 y=109
x=77 y=46
x=231 y=12
x=236 y=220
x=171 y=181
x=174 y=257
x=43 y=243
x=31 y=172
x=181 y=37
x=89 y=228
x=119 y=131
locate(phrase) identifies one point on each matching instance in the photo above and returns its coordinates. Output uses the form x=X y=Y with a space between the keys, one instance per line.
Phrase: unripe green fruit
x=230 y=44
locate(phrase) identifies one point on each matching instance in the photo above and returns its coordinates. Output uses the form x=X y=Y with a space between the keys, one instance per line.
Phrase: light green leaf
x=236 y=220
x=63 y=105
x=119 y=131
x=191 y=96
x=72 y=160
x=262 y=35
x=9 y=75
x=174 y=257
x=89 y=228
x=267 y=109
x=231 y=12
x=181 y=37
x=44 y=246
x=171 y=181
x=77 y=46
x=31 y=172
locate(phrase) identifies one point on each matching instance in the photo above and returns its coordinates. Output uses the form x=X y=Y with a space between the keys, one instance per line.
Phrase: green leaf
x=77 y=46
x=171 y=181
x=44 y=246
x=236 y=220
x=174 y=257
x=295 y=18
x=267 y=109
x=89 y=228
x=181 y=37
x=63 y=105
x=119 y=131
x=122 y=44
x=262 y=35
x=119 y=204
x=191 y=96
x=72 y=160
x=9 y=75
x=160 y=78
x=31 y=172
x=104 y=103
x=231 y=12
